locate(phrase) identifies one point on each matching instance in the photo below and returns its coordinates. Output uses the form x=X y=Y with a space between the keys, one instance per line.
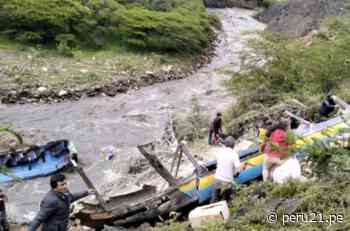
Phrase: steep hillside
x=299 y=17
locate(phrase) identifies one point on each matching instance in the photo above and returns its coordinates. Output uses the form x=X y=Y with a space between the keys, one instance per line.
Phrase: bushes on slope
x=157 y=25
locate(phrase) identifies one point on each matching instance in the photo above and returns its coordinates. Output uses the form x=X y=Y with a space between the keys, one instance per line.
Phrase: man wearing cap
x=215 y=129
x=227 y=166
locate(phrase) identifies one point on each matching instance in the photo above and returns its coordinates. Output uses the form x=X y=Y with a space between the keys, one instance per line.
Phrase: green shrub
x=158 y=25
x=193 y=126
x=66 y=42
x=330 y=158
x=42 y=20
x=178 y=30
x=293 y=68
x=31 y=37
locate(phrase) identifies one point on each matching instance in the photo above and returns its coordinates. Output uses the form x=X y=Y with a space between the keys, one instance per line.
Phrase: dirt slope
x=298 y=17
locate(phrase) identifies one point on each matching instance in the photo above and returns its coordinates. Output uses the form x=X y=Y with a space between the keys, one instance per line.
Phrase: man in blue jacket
x=55 y=207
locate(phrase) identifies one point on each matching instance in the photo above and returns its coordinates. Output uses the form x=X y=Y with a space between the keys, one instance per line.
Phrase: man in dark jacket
x=215 y=129
x=55 y=207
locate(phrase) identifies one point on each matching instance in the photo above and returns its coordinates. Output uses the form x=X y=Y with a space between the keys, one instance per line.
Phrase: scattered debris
x=109 y=152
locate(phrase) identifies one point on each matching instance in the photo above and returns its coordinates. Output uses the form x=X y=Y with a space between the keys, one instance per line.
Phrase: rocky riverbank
x=35 y=93
x=249 y=4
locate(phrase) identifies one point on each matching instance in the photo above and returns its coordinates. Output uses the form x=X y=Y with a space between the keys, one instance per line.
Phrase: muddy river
x=125 y=120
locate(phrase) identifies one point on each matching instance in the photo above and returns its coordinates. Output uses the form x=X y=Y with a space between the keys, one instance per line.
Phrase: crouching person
x=55 y=207
x=228 y=165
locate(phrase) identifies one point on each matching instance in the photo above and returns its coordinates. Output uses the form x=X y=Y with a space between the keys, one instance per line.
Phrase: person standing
x=275 y=147
x=227 y=166
x=55 y=207
x=215 y=129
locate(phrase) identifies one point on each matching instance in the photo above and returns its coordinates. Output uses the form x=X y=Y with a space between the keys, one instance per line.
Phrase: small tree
x=193 y=125
x=198 y=121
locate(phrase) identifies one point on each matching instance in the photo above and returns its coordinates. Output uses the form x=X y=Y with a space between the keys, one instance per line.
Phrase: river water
x=125 y=121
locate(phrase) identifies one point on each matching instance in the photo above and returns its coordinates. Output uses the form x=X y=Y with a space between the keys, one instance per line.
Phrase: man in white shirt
x=228 y=165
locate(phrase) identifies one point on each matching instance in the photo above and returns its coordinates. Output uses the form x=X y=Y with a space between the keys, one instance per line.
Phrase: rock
x=42 y=89
x=273 y=204
x=167 y=68
x=36 y=95
x=91 y=93
x=288 y=205
x=62 y=93
x=8 y=100
x=25 y=93
x=110 y=91
x=122 y=89
x=209 y=92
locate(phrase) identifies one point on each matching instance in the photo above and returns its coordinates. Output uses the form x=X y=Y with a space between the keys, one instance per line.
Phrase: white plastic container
x=201 y=215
